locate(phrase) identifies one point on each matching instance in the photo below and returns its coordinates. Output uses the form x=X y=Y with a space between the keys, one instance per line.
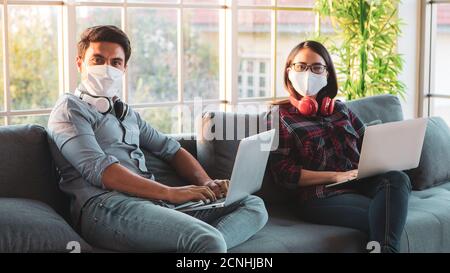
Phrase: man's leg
x=237 y=222
x=122 y=223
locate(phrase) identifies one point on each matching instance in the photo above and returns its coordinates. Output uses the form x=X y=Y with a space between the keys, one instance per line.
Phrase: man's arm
x=119 y=178
x=184 y=163
x=70 y=128
x=189 y=168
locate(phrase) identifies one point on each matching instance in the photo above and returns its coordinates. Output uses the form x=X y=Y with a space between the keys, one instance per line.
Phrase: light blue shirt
x=91 y=141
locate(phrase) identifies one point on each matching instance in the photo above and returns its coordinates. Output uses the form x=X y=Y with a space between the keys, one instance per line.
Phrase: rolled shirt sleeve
x=156 y=142
x=70 y=128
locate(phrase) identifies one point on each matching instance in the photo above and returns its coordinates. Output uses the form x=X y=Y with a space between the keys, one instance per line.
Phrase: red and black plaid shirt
x=315 y=143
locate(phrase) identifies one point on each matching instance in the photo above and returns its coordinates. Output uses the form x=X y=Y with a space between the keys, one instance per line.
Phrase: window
x=32 y=42
x=292 y=28
x=436 y=83
x=255 y=75
x=262 y=67
x=181 y=50
x=250 y=81
x=153 y=79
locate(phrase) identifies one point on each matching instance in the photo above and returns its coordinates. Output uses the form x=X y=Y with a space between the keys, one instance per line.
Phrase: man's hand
x=219 y=187
x=344 y=176
x=178 y=195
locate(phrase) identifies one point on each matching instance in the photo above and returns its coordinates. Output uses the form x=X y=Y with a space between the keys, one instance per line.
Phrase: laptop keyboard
x=207 y=202
x=191 y=204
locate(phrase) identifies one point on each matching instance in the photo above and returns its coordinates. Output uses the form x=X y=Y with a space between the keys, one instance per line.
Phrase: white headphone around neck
x=103 y=104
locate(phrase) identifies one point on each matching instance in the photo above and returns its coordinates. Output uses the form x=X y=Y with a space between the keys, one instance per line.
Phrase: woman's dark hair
x=107 y=33
x=330 y=90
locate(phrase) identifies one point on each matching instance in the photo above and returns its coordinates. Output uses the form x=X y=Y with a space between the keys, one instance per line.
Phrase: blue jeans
x=123 y=223
x=379 y=208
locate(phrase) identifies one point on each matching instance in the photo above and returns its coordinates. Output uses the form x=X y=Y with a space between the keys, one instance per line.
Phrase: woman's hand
x=344 y=176
x=311 y=178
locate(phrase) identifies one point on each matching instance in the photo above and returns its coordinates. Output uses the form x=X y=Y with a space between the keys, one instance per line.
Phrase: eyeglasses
x=315 y=68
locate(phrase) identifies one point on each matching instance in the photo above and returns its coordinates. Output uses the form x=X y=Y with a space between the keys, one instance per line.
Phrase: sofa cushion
x=285 y=233
x=27 y=169
x=434 y=166
x=427 y=229
x=219 y=139
x=428 y=223
x=32 y=226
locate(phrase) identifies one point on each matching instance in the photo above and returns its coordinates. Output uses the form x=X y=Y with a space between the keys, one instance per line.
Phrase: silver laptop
x=248 y=172
x=393 y=146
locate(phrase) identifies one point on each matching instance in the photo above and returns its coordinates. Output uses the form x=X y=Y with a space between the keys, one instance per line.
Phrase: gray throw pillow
x=31 y=226
x=434 y=166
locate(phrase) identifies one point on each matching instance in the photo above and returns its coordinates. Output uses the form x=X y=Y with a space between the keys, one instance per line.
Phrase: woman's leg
x=380 y=210
x=346 y=210
x=119 y=222
x=389 y=207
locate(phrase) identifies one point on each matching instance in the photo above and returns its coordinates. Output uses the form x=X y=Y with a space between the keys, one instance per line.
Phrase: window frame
x=428 y=31
x=228 y=57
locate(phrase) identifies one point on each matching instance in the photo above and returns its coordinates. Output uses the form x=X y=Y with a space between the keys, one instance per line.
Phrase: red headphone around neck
x=308 y=106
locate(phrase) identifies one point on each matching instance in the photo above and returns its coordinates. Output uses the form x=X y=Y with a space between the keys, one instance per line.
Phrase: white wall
x=408 y=46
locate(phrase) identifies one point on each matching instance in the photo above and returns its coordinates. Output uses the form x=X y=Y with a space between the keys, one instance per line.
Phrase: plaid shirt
x=315 y=143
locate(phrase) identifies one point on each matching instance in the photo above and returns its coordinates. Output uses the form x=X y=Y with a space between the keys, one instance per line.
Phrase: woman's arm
x=310 y=178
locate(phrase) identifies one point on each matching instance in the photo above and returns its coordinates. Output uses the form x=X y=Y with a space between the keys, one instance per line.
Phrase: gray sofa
x=34 y=214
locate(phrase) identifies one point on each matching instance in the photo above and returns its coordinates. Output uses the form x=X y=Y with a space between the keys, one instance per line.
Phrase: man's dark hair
x=106 y=33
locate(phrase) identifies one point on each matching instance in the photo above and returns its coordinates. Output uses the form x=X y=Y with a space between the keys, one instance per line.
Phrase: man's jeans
x=123 y=223
x=379 y=208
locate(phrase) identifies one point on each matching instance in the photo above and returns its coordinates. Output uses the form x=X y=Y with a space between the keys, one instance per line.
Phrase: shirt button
x=100 y=205
x=95 y=219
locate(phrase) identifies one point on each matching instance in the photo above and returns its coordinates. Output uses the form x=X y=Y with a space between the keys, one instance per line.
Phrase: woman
x=320 y=143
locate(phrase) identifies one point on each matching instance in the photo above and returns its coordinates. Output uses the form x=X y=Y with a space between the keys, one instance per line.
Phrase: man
x=115 y=200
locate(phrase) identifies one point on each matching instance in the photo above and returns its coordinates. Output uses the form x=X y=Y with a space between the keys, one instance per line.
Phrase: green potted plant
x=365 y=39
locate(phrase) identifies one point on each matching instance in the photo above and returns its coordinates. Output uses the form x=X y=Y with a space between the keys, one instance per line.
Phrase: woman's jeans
x=379 y=208
x=123 y=223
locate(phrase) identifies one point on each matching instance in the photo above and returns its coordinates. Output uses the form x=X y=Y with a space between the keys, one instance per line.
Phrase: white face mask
x=102 y=80
x=306 y=83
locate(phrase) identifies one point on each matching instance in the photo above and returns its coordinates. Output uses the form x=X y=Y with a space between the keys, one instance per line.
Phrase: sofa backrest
x=187 y=141
x=27 y=169
x=217 y=153
x=386 y=108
